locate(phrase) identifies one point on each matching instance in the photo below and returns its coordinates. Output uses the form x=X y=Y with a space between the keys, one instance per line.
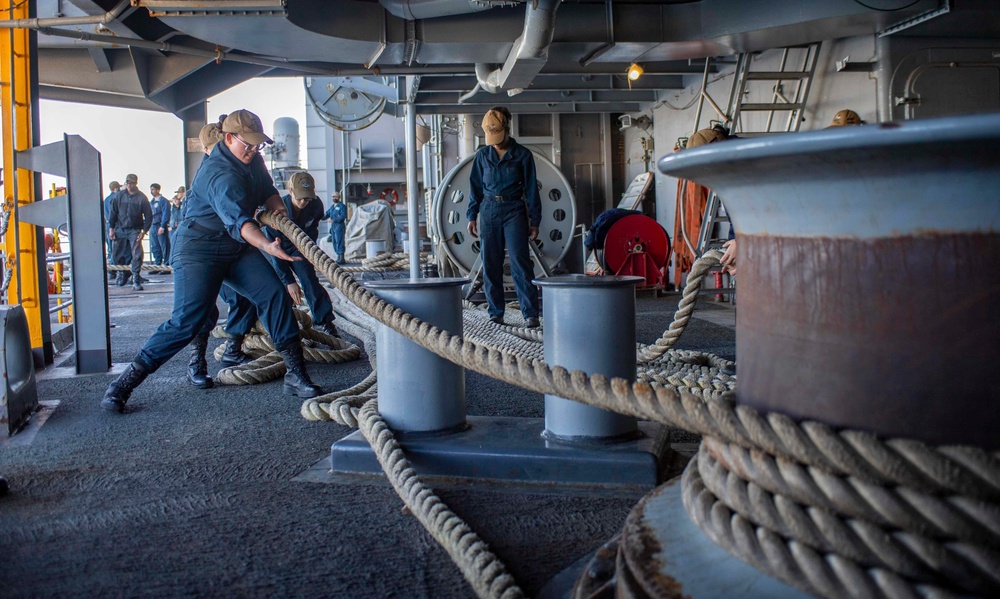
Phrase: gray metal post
x=419 y=391
x=77 y=161
x=412 y=205
x=575 y=341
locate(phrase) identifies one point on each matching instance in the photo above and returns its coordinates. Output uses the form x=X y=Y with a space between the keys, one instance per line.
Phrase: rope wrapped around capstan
x=952 y=490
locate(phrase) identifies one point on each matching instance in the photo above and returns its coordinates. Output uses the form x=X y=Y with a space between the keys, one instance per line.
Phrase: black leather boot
x=119 y=391
x=197 y=366
x=296 y=379
x=234 y=356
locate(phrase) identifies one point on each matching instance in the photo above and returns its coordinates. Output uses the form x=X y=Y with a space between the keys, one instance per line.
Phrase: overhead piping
x=412 y=10
x=37 y=23
x=529 y=54
x=220 y=55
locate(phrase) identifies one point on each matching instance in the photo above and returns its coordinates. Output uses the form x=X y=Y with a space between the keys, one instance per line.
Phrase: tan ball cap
x=845 y=117
x=209 y=136
x=247 y=125
x=495 y=126
x=132 y=179
x=705 y=136
x=302 y=185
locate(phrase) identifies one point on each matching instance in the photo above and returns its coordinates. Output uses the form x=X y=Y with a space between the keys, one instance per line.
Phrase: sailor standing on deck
x=504 y=197
x=214 y=246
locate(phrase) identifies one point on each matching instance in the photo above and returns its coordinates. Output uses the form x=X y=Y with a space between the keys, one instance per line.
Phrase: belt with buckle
x=504 y=198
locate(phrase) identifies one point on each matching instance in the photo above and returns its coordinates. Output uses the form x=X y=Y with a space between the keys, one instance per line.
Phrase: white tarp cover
x=370 y=222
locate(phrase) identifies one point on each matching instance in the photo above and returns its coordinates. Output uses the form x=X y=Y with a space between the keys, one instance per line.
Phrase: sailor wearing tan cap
x=305 y=210
x=504 y=196
x=214 y=246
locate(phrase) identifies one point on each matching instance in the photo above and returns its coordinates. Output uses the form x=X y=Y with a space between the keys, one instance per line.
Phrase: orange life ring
x=392 y=194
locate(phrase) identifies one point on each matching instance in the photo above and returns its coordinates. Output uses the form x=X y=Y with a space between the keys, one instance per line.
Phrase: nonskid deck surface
x=192 y=493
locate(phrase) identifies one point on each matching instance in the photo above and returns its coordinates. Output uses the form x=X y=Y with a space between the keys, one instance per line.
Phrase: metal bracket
x=846 y=66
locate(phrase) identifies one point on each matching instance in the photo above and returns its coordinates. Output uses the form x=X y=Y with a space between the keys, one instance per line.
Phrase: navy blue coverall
x=337 y=213
x=210 y=250
x=159 y=243
x=316 y=296
x=504 y=193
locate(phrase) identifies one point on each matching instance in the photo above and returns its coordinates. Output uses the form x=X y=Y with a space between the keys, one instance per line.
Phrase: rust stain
x=895 y=335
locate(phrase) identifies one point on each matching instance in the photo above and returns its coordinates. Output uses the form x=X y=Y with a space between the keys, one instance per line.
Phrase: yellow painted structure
x=20 y=241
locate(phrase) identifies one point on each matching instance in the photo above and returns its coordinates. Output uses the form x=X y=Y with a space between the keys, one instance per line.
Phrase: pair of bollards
x=422 y=396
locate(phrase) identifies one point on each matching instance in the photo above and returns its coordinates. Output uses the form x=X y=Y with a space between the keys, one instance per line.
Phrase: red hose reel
x=637 y=246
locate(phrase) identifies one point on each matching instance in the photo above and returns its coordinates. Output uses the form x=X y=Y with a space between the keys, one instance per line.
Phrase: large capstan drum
x=449 y=224
x=867 y=266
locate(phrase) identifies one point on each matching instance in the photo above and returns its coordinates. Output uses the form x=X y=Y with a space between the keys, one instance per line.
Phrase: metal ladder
x=797 y=68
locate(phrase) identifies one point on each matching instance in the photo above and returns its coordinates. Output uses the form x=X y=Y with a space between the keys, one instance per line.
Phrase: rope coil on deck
x=967 y=476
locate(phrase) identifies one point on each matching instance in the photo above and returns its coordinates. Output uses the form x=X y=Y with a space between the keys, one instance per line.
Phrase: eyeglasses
x=247 y=147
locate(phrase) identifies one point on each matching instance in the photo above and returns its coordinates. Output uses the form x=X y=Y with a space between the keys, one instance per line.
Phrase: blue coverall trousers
x=337 y=231
x=202 y=261
x=506 y=224
x=316 y=295
x=159 y=245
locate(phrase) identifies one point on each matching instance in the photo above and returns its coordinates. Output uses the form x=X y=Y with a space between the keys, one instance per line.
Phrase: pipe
x=219 y=55
x=412 y=205
x=529 y=54
x=37 y=23
x=412 y=10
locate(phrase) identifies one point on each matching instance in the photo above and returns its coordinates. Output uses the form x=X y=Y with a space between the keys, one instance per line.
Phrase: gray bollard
x=419 y=391
x=374 y=248
x=576 y=340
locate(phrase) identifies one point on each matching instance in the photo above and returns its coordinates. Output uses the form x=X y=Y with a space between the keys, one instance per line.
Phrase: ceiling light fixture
x=634 y=72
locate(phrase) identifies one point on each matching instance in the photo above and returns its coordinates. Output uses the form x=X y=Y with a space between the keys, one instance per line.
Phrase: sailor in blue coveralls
x=214 y=245
x=504 y=196
x=305 y=210
x=337 y=215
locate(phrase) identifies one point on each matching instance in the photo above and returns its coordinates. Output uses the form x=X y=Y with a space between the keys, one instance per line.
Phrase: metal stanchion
x=576 y=340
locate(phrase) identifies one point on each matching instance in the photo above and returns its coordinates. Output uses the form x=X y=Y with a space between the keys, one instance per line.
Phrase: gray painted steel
x=867 y=259
x=576 y=340
x=512 y=449
x=669 y=556
x=17 y=366
x=412 y=205
x=801 y=188
x=419 y=391
x=80 y=163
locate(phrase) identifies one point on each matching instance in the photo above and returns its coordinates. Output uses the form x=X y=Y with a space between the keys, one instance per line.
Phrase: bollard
x=418 y=391
x=860 y=258
x=374 y=248
x=422 y=398
x=574 y=341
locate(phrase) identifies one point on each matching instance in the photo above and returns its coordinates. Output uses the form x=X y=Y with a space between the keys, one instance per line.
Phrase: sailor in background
x=337 y=215
x=504 y=196
x=305 y=210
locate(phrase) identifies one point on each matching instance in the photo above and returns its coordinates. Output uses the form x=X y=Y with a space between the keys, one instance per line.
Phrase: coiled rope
x=268 y=364
x=964 y=475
